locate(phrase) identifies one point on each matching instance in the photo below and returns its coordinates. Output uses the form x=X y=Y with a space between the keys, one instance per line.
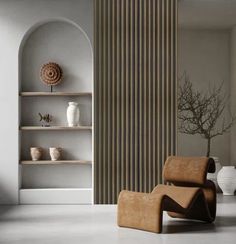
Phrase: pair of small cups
x=37 y=153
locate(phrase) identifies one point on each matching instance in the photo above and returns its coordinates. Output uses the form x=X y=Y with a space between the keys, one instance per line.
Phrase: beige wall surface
x=232 y=93
x=205 y=56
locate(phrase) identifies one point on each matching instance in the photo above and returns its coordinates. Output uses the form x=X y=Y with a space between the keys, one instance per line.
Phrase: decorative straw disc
x=51 y=74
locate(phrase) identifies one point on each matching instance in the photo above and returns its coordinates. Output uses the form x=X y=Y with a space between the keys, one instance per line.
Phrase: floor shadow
x=188 y=226
x=4 y=210
x=5 y=196
x=224 y=221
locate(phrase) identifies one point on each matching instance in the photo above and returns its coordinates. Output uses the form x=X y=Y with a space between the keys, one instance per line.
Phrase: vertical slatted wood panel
x=134 y=94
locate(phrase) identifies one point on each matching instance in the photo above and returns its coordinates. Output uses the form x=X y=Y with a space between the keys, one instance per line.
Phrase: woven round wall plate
x=51 y=74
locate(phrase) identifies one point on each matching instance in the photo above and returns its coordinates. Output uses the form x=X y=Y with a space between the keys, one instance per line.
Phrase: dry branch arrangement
x=203 y=113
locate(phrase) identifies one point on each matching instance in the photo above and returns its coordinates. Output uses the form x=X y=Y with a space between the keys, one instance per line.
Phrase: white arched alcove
x=61 y=42
x=64 y=43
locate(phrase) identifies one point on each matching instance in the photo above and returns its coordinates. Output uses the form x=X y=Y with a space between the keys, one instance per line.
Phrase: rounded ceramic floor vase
x=226 y=179
x=73 y=114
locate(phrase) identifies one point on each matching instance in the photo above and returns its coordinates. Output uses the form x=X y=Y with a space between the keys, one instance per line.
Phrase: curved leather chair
x=186 y=194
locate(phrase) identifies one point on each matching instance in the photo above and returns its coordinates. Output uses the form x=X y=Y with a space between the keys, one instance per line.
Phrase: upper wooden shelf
x=56 y=128
x=49 y=162
x=43 y=94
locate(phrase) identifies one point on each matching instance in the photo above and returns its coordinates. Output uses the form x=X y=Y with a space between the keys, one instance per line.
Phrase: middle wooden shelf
x=82 y=127
x=54 y=94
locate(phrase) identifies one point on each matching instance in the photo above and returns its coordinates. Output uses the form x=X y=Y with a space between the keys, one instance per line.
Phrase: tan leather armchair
x=186 y=194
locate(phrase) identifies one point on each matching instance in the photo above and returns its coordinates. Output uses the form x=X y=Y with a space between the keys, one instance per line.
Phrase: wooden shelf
x=42 y=94
x=49 y=162
x=57 y=189
x=55 y=128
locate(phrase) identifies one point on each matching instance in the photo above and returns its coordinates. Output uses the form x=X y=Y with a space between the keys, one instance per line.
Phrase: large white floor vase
x=226 y=179
x=73 y=114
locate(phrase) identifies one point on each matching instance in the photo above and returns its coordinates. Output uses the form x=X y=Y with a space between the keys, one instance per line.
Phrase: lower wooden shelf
x=49 y=162
x=42 y=128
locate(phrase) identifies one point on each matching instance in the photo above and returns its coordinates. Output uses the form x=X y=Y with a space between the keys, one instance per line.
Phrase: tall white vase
x=73 y=114
x=226 y=179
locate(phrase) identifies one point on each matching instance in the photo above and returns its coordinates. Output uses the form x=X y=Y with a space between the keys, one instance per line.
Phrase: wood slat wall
x=135 y=94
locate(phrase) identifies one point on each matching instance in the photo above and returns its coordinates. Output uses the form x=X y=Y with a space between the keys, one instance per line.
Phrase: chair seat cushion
x=181 y=195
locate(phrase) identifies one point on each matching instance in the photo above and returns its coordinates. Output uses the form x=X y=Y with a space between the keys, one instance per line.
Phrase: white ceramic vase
x=36 y=153
x=226 y=179
x=73 y=114
x=55 y=153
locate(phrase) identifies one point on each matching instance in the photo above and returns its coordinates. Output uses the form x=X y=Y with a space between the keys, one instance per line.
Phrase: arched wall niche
x=61 y=41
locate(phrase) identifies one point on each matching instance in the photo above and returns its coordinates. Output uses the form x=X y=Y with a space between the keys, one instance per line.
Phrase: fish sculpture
x=46 y=117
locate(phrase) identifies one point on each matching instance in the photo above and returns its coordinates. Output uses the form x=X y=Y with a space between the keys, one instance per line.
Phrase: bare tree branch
x=201 y=113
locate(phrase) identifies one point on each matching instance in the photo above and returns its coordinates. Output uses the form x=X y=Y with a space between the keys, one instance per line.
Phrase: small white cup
x=36 y=153
x=55 y=153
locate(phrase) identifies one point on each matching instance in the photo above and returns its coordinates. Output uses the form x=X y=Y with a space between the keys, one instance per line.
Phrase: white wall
x=233 y=93
x=205 y=56
x=16 y=18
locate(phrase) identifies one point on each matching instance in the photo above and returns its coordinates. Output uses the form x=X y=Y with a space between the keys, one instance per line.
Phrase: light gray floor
x=60 y=224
